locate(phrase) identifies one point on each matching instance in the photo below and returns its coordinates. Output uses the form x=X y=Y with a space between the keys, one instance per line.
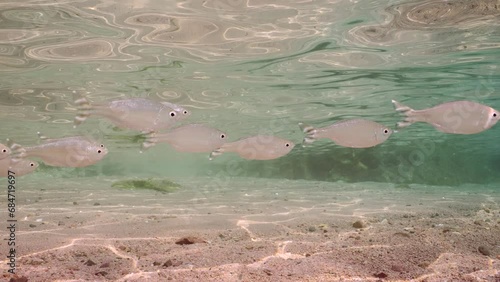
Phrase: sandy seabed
x=247 y=229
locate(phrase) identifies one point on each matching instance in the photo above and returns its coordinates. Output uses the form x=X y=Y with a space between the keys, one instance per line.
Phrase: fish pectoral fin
x=14 y=161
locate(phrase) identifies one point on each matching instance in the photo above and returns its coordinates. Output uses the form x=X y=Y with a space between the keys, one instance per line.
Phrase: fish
x=76 y=151
x=260 y=147
x=4 y=151
x=20 y=167
x=16 y=165
x=138 y=114
x=353 y=133
x=193 y=138
x=458 y=117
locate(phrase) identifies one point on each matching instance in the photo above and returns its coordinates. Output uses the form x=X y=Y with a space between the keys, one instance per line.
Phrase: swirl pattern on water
x=436 y=16
x=79 y=51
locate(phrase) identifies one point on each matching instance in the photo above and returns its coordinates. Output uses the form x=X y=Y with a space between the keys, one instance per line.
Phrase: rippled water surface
x=251 y=67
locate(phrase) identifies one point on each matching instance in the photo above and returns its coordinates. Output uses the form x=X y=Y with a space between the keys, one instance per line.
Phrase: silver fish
x=459 y=117
x=194 y=138
x=260 y=147
x=137 y=113
x=20 y=167
x=353 y=133
x=75 y=151
x=4 y=151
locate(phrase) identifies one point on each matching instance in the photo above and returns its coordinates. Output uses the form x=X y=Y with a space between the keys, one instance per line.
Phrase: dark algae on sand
x=161 y=185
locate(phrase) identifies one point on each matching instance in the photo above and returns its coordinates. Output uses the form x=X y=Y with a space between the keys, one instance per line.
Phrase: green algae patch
x=161 y=185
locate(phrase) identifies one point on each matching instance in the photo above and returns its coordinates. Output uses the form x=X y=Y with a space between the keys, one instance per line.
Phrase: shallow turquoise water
x=253 y=67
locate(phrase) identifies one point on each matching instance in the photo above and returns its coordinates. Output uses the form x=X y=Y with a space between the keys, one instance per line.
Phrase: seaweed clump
x=161 y=185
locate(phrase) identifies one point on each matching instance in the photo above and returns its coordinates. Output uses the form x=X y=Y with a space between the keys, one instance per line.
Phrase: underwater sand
x=255 y=230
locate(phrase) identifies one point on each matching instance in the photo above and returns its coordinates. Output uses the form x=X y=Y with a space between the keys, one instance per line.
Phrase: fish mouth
x=104 y=151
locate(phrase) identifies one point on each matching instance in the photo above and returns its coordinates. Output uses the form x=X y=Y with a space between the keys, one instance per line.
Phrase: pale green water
x=249 y=67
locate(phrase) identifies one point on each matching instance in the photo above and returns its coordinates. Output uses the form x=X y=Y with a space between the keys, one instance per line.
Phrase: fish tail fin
x=407 y=111
x=150 y=141
x=215 y=153
x=84 y=109
x=402 y=124
x=310 y=134
x=401 y=108
x=17 y=151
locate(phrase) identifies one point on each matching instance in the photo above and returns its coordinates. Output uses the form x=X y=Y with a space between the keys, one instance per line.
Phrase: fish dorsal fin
x=42 y=137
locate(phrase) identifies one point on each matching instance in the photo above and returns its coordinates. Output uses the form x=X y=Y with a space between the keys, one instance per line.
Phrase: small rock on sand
x=189 y=240
x=172 y=263
x=359 y=224
x=89 y=262
x=484 y=250
x=18 y=279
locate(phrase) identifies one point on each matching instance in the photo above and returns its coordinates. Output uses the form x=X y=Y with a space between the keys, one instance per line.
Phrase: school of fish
x=152 y=117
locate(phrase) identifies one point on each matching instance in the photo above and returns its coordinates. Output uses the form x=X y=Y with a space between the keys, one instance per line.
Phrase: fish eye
x=185 y=112
x=102 y=145
x=222 y=136
x=4 y=151
x=287 y=145
x=386 y=131
x=495 y=114
x=99 y=151
x=32 y=164
x=172 y=114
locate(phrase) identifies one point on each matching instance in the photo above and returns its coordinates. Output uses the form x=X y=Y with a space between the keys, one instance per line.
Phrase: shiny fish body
x=353 y=133
x=75 y=151
x=260 y=147
x=459 y=117
x=193 y=138
x=4 y=151
x=137 y=113
x=19 y=166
